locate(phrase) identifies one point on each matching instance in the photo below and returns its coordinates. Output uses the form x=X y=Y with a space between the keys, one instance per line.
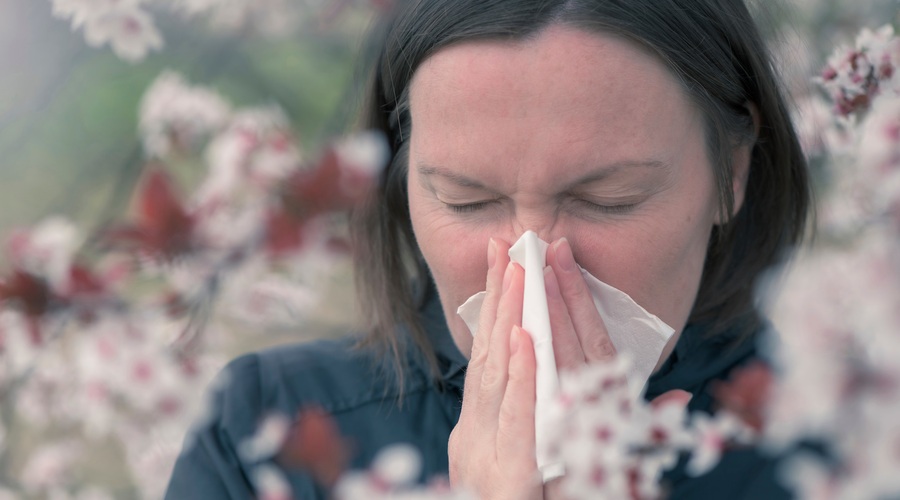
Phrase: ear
x=740 y=165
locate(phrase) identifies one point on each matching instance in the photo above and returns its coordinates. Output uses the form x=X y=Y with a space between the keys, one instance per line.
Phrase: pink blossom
x=854 y=76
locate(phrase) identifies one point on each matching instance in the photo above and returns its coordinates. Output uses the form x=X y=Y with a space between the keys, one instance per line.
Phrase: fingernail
x=492 y=253
x=564 y=255
x=550 y=284
x=507 y=276
x=514 y=340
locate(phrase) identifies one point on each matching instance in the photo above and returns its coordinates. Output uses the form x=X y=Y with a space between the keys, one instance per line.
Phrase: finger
x=566 y=347
x=515 y=433
x=589 y=327
x=496 y=367
x=498 y=259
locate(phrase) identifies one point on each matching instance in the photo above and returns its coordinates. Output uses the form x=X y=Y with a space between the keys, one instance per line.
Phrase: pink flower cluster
x=854 y=76
x=857 y=133
x=615 y=446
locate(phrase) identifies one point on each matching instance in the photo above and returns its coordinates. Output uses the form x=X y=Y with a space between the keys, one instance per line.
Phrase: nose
x=544 y=225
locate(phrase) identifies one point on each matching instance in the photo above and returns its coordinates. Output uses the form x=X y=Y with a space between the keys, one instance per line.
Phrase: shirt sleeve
x=209 y=466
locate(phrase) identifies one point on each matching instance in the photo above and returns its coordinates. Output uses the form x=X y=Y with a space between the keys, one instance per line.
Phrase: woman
x=647 y=140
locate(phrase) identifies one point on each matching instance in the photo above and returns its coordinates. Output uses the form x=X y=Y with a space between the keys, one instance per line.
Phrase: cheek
x=658 y=261
x=456 y=253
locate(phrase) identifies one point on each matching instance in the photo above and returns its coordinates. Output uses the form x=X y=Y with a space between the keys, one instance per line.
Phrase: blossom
x=853 y=76
x=398 y=465
x=879 y=149
x=129 y=30
x=713 y=435
x=271 y=483
x=18 y=348
x=47 y=249
x=393 y=475
x=269 y=438
x=174 y=114
x=122 y=24
x=252 y=153
x=818 y=130
x=610 y=443
x=50 y=466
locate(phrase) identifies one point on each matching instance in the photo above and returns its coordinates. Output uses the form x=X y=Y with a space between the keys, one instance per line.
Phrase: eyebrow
x=458 y=179
x=594 y=176
x=607 y=170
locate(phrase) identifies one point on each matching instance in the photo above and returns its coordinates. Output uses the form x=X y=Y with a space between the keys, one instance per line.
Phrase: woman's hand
x=579 y=334
x=491 y=449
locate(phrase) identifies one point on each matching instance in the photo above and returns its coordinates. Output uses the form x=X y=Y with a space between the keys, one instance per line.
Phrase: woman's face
x=571 y=134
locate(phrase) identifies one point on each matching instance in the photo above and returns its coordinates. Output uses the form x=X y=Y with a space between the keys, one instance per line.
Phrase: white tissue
x=636 y=334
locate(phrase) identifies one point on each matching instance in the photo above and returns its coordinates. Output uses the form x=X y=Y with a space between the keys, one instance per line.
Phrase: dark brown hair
x=714 y=49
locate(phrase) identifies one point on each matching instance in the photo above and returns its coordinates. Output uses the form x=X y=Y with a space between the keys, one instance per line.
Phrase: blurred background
x=70 y=144
x=69 y=141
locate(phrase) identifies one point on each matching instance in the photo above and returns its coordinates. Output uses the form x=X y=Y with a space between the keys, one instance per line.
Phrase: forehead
x=599 y=97
x=559 y=55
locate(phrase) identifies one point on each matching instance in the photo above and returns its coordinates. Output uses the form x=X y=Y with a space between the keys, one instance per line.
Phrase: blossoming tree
x=113 y=335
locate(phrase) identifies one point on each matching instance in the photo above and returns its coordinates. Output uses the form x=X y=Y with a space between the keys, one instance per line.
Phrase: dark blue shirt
x=361 y=393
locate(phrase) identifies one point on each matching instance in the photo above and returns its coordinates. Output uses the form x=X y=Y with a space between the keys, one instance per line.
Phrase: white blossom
x=271 y=483
x=367 y=152
x=398 y=465
x=174 y=112
x=267 y=440
x=47 y=250
x=393 y=475
x=249 y=156
x=127 y=28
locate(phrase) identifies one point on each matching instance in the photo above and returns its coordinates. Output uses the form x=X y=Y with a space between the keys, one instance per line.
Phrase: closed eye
x=466 y=208
x=608 y=209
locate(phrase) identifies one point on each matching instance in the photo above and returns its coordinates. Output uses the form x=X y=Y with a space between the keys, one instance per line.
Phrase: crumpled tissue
x=636 y=334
